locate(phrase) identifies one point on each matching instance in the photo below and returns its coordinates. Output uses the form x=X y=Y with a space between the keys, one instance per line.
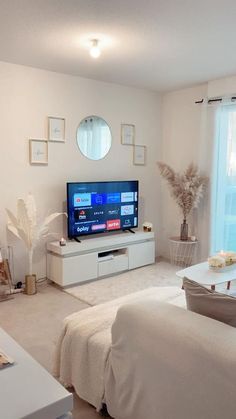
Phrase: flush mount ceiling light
x=95 y=50
x=96 y=43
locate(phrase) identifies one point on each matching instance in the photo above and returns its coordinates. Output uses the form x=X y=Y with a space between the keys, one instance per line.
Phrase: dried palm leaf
x=25 y=226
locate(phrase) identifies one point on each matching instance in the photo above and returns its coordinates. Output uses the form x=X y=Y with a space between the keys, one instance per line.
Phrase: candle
x=62 y=242
x=222 y=253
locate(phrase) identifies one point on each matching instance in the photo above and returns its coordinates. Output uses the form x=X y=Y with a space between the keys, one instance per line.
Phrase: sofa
x=145 y=355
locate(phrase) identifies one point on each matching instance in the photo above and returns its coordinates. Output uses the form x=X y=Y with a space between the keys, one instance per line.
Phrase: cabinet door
x=141 y=254
x=70 y=270
x=80 y=268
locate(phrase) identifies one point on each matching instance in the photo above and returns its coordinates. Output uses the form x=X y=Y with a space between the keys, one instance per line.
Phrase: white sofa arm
x=170 y=363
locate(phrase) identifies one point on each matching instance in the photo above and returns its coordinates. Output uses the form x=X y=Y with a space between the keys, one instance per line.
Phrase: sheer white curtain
x=86 y=137
x=223 y=221
x=216 y=216
x=207 y=165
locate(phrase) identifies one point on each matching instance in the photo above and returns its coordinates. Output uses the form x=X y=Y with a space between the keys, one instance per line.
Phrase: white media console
x=97 y=257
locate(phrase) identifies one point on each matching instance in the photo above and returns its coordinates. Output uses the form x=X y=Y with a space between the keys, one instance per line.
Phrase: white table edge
x=207 y=277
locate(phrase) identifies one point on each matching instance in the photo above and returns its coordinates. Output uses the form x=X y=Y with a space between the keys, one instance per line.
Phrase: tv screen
x=97 y=207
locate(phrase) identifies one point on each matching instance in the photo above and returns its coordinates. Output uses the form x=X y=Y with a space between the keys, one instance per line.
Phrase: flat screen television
x=97 y=207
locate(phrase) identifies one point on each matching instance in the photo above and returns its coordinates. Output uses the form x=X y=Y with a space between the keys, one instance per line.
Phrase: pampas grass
x=186 y=188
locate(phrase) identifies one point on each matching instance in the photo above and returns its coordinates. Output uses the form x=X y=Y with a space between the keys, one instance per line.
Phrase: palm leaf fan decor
x=25 y=225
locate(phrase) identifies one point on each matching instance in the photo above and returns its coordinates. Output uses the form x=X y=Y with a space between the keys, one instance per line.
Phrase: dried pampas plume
x=186 y=188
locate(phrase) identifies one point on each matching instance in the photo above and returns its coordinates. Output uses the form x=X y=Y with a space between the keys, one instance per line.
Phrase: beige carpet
x=97 y=292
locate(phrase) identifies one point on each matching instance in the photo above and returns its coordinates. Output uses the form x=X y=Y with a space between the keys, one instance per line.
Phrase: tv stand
x=77 y=240
x=97 y=257
x=130 y=230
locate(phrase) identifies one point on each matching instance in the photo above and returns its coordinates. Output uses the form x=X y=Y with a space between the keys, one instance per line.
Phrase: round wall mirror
x=94 y=137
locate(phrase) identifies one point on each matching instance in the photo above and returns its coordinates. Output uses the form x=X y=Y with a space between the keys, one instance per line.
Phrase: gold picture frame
x=38 y=152
x=56 y=129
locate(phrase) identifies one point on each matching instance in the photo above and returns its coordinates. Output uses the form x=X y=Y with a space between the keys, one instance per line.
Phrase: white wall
x=222 y=87
x=27 y=97
x=181 y=137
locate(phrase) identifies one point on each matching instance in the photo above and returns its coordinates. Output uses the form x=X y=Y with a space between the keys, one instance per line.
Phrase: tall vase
x=184 y=231
x=30 y=284
x=30 y=279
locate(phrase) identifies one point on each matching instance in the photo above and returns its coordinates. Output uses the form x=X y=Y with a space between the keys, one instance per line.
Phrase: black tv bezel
x=104 y=231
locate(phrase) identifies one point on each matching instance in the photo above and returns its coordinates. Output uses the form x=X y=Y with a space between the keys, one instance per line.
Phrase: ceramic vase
x=184 y=231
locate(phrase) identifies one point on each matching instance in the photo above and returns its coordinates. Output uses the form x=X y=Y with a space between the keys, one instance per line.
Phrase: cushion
x=209 y=303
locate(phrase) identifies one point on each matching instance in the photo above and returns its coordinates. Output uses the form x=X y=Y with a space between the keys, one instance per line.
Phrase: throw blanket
x=170 y=363
x=84 y=344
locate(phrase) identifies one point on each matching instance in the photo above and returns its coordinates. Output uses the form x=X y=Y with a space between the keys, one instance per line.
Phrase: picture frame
x=139 y=156
x=56 y=129
x=38 y=152
x=127 y=134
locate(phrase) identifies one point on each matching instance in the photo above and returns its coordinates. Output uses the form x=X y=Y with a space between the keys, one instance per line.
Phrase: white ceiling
x=155 y=44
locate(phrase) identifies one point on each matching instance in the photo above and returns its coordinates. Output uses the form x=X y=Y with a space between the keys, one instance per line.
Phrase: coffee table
x=27 y=389
x=203 y=275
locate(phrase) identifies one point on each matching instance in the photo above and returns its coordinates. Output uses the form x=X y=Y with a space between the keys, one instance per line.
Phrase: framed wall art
x=139 y=155
x=127 y=134
x=38 y=152
x=56 y=129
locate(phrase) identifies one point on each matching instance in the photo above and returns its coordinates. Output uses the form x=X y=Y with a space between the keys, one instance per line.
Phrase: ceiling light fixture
x=95 y=51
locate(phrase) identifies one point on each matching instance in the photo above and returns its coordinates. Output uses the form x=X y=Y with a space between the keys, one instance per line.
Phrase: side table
x=182 y=252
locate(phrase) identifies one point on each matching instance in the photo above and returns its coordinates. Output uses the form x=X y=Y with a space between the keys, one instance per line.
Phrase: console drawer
x=116 y=264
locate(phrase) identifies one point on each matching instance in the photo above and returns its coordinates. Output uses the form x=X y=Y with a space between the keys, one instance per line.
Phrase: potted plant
x=186 y=188
x=26 y=227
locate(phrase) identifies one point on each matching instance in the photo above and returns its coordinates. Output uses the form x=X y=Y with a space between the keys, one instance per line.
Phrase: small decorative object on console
x=147 y=226
x=62 y=242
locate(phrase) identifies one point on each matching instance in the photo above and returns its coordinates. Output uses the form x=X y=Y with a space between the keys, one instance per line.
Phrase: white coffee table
x=27 y=389
x=203 y=275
